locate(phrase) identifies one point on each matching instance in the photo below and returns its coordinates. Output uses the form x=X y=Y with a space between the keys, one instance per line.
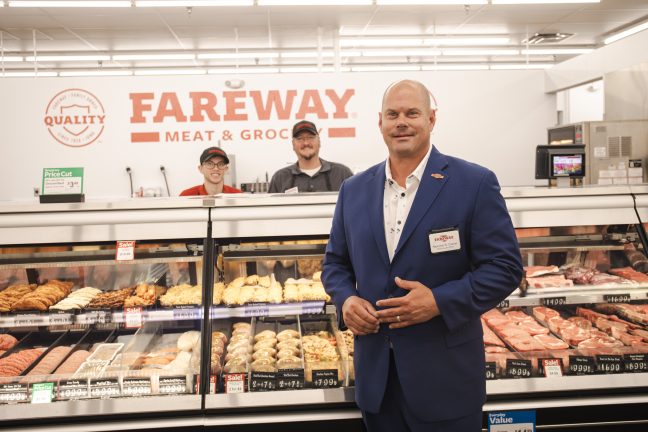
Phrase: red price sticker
x=125 y=250
x=552 y=368
x=234 y=383
x=133 y=317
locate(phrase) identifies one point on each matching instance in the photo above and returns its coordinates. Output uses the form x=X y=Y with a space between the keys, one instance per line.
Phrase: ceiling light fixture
x=64 y=58
x=454 y=41
x=29 y=74
x=192 y=3
x=421 y=52
x=11 y=58
x=430 y=2
x=70 y=3
x=140 y=72
x=380 y=42
x=480 y=52
x=306 y=69
x=556 y=51
x=264 y=70
x=239 y=55
x=306 y=54
x=626 y=33
x=514 y=66
x=314 y=2
x=441 y=67
x=103 y=72
x=144 y=57
x=386 y=68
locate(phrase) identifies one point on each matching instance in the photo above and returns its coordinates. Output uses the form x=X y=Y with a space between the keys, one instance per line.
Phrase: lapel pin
x=438 y=176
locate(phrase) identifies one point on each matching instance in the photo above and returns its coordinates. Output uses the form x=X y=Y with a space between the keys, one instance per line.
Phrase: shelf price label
x=12 y=393
x=512 y=421
x=28 y=320
x=173 y=384
x=312 y=307
x=125 y=250
x=581 y=365
x=263 y=381
x=42 y=392
x=503 y=304
x=553 y=301
x=609 y=364
x=234 y=383
x=256 y=310
x=133 y=317
x=636 y=362
x=616 y=298
x=136 y=386
x=491 y=370
x=73 y=389
x=518 y=368
x=104 y=388
x=550 y=367
x=290 y=379
x=325 y=378
x=60 y=319
x=186 y=314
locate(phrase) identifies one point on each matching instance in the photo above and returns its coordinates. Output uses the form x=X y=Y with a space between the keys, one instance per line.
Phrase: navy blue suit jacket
x=440 y=362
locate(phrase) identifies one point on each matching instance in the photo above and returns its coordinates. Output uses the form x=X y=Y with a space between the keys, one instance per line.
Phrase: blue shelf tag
x=511 y=421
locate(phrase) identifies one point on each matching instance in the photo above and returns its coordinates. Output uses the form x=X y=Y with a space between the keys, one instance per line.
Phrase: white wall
x=584 y=103
x=495 y=118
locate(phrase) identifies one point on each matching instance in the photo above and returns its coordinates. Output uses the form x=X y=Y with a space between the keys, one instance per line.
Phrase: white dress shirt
x=397 y=202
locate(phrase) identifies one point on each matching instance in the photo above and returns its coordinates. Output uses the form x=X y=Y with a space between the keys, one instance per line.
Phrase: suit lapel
x=434 y=179
x=376 y=211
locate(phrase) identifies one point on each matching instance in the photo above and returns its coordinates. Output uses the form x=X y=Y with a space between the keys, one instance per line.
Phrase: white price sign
x=42 y=393
x=125 y=251
x=133 y=317
x=552 y=368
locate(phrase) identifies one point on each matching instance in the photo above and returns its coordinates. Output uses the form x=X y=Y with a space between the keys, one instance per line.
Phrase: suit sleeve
x=338 y=275
x=495 y=260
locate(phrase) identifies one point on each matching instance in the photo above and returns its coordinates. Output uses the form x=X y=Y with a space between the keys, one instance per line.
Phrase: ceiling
x=281 y=30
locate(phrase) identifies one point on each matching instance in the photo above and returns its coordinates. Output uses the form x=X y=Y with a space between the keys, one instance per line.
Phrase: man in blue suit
x=421 y=245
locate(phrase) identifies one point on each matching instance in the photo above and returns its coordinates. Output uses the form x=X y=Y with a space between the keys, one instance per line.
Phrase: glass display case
x=572 y=336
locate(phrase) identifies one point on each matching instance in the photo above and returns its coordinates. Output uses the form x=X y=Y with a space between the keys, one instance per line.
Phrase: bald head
x=418 y=87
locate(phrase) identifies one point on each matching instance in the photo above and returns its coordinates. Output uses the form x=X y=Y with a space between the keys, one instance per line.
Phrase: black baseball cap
x=212 y=152
x=304 y=125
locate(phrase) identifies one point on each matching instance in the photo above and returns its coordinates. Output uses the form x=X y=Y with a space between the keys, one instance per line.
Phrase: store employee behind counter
x=421 y=245
x=214 y=163
x=310 y=173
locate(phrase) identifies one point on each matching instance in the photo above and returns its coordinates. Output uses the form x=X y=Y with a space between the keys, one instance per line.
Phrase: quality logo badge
x=75 y=117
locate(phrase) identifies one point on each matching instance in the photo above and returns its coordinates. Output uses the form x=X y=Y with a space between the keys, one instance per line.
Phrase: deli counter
x=210 y=312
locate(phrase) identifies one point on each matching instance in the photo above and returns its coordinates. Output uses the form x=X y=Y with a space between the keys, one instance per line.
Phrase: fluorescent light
x=380 y=42
x=431 y=2
x=12 y=58
x=421 y=52
x=306 y=69
x=314 y=2
x=133 y=57
x=378 y=31
x=239 y=55
x=521 y=66
x=478 y=52
x=453 y=41
x=235 y=71
x=626 y=33
x=407 y=68
x=455 y=67
x=556 y=51
x=29 y=74
x=170 y=72
x=542 y=1
x=63 y=58
x=96 y=73
x=306 y=54
x=70 y=3
x=192 y=3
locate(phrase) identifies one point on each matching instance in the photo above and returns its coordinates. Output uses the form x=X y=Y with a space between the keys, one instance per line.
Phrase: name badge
x=292 y=190
x=445 y=240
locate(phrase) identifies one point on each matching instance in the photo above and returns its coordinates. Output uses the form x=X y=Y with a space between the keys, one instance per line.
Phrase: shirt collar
x=325 y=166
x=417 y=173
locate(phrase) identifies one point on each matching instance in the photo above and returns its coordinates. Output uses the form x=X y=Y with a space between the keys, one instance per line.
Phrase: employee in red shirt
x=213 y=165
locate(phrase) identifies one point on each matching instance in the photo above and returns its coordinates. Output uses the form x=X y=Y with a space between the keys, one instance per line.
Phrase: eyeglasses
x=211 y=165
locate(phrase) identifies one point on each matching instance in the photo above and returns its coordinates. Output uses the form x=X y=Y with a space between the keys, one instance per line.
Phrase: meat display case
x=282 y=237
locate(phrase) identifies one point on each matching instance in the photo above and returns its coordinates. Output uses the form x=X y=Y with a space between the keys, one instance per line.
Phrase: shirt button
x=398 y=222
x=403 y=195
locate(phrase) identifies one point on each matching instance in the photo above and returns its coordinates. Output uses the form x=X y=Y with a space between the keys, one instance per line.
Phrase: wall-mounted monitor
x=554 y=161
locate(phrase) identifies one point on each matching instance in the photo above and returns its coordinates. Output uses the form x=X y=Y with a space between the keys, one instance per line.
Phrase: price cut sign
x=512 y=421
x=125 y=250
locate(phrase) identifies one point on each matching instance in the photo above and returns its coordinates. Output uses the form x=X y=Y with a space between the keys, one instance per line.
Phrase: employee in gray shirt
x=310 y=173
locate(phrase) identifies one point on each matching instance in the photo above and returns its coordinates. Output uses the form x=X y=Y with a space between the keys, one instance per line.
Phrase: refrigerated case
x=280 y=239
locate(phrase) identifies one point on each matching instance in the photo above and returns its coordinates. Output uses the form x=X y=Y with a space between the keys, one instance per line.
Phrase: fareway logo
x=207 y=116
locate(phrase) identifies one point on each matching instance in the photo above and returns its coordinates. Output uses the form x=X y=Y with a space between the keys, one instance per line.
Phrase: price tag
x=551 y=367
x=553 y=301
x=28 y=320
x=512 y=421
x=256 y=310
x=312 y=307
x=325 y=378
x=58 y=181
x=60 y=319
x=72 y=389
x=173 y=384
x=263 y=381
x=518 y=368
x=42 y=392
x=636 y=362
x=136 y=386
x=133 y=317
x=503 y=304
x=125 y=250
x=491 y=370
x=234 y=383
x=13 y=393
x=581 y=365
x=104 y=388
x=616 y=298
x=186 y=314
x=609 y=364
x=290 y=379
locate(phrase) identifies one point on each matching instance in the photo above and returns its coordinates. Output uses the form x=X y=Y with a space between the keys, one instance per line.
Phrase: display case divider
x=640 y=227
x=208 y=288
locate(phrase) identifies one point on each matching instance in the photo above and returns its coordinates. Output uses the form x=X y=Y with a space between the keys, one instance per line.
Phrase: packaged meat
x=636 y=258
x=72 y=363
x=106 y=351
x=7 y=342
x=535 y=271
